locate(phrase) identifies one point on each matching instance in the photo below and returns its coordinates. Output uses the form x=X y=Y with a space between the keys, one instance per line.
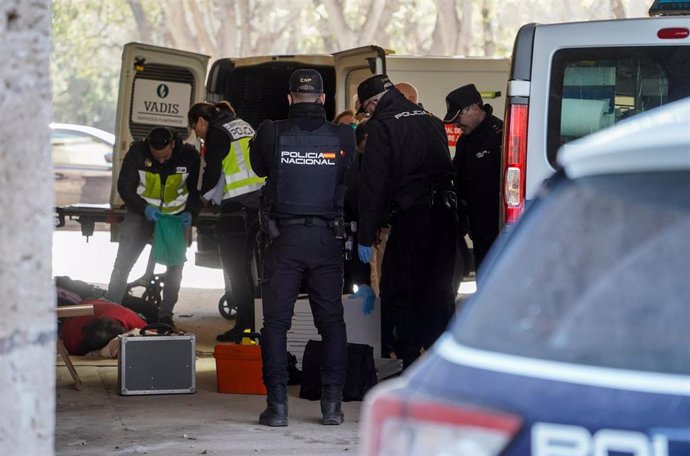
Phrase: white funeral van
x=159 y=85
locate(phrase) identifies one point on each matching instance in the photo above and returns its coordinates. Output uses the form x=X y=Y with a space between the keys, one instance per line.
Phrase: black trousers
x=312 y=257
x=483 y=221
x=417 y=277
x=236 y=237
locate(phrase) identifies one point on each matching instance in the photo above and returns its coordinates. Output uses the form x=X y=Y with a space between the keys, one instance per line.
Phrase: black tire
x=226 y=309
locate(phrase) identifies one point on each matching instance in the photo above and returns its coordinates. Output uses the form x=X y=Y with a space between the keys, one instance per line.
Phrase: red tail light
x=673 y=33
x=515 y=156
x=397 y=425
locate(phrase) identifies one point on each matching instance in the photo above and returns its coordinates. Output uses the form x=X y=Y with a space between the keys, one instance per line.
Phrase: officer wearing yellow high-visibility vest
x=159 y=176
x=229 y=182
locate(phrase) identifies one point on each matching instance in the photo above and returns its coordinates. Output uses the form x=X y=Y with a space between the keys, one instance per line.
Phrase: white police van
x=571 y=79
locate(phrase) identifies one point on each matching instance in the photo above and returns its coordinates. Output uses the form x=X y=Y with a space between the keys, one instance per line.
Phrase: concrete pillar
x=27 y=302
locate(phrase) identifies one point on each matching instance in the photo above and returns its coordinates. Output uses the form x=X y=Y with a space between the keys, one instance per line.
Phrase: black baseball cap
x=371 y=87
x=306 y=81
x=160 y=137
x=459 y=99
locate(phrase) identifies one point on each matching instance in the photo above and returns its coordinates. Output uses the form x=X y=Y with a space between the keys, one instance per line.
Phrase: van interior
x=259 y=92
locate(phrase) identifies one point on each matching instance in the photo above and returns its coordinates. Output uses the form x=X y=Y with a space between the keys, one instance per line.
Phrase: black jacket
x=406 y=154
x=184 y=157
x=307 y=117
x=478 y=164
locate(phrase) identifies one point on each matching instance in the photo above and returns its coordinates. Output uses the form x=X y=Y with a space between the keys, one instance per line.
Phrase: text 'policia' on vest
x=239 y=177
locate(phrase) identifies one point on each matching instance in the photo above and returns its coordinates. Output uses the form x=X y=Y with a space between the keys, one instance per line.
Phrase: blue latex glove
x=367 y=294
x=186 y=219
x=365 y=253
x=152 y=213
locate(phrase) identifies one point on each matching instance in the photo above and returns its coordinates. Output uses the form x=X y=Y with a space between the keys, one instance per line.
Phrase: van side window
x=592 y=89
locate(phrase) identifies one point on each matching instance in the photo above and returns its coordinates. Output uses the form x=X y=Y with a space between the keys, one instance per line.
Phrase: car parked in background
x=584 y=351
x=82 y=163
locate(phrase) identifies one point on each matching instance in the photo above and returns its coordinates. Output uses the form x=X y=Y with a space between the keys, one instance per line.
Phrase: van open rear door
x=352 y=67
x=157 y=88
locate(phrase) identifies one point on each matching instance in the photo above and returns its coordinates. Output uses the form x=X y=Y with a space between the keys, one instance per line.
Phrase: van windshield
x=592 y=89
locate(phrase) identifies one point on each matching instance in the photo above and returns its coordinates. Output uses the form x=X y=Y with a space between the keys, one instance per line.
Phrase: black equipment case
x=363 y=371
x=156 y=364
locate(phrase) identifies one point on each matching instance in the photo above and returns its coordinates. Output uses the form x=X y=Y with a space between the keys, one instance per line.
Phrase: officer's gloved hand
x=365 y=253
x=186 y=219
x=367 y=294
x=152 y=213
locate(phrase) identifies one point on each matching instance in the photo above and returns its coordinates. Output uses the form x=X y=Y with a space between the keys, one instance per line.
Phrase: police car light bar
x=669 y=8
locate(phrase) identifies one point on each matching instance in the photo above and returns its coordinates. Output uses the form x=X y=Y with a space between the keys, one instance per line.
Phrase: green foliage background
x=88 y=35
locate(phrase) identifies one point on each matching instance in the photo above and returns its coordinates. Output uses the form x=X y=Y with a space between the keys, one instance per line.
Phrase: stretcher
x=87 y=215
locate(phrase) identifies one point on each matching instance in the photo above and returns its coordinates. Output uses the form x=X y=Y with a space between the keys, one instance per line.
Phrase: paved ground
x=96 y=420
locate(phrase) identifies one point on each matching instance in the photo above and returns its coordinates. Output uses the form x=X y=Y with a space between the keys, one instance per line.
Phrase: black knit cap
x=459 y=99
x=306 y=81
x=160 y=137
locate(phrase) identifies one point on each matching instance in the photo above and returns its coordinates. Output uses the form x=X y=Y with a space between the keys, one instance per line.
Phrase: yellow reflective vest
x=239 y=178
x=171 y=198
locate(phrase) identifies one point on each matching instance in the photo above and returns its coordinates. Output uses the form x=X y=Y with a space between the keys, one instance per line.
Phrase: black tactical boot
x=276 y=413
x=331 y=396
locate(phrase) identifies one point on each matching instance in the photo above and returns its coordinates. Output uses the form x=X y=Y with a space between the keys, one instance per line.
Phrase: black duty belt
x=305 y=221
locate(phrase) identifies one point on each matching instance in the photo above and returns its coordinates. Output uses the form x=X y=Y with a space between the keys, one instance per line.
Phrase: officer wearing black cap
x=159 y=175
x=305 y=159
x=406 y=176
x=478 y=164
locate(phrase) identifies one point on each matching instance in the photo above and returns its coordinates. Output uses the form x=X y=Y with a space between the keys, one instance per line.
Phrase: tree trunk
x=447 y=28
x=228 y=35
x=373 y=22
x=243 y=13
x=464 y=40
x=143 y=24
x=487 y=12
x=381 y=36
x=344 y=36
x=617 y=9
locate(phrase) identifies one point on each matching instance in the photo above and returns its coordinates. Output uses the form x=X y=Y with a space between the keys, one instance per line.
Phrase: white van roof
x=658 y=140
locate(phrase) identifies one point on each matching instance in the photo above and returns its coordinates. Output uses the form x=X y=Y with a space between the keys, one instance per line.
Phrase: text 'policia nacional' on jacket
x=305 y=159
x=170 y=186
x=406 y=156
x=227 y=155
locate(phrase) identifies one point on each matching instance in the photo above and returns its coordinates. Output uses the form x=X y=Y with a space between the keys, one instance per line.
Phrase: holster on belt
x=443 y=195
x=444 y=198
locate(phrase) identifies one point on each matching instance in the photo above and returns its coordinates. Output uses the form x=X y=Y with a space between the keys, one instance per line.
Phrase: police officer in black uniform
x=478 y=164
x=407 y=175
x=305 y=159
